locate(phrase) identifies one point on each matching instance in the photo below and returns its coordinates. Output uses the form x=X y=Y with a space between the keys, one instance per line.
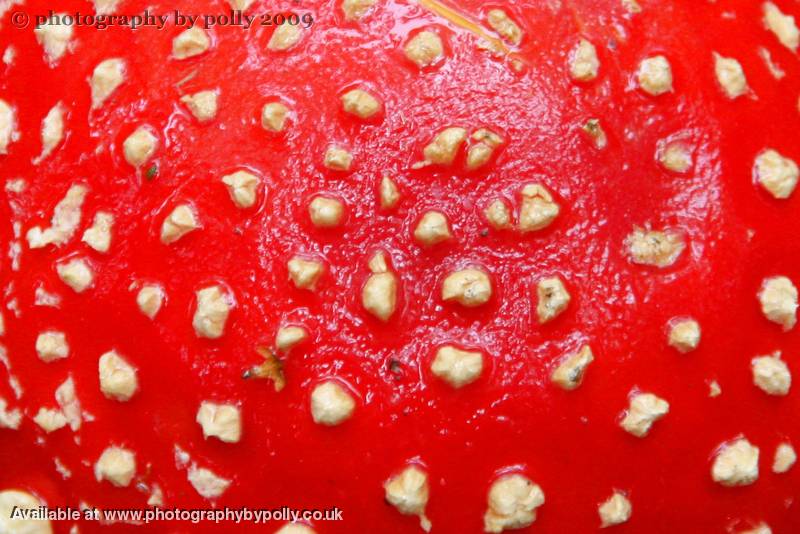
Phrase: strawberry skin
x=389 y=132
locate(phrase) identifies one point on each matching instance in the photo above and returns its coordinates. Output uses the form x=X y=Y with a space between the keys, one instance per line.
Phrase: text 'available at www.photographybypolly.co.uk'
x=193 y=515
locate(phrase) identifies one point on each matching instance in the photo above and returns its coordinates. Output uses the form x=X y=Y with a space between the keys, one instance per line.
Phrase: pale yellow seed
x=468 y=287
x=337 y=159
x=730 y=76
x=504 y=26
x=776 y=173
x=389 y=193
x=675 y=156
x=425 y=49
x=289 y=336
x=569 y=373
x=736 y=464
x=778 y=297
x=481 y=152
x=655 y=75
x=202 y=104
x=655 y=248
x=442 y=150
x=782 y=25
x=595 y=131
x=684 y=335
x=379 y=295
x=331 y=404
x=273 y=116
x=512 y=503
x=433 y=228
x=631 y=6
x=190 y=43
x=553 y=298
x=305 y=273
x=326 y=212
x=584 y=64
x=538 y=208
x=360 y=103
x=242 y=187
x=644 y=410
x=498 y=214
x=139 y=147
x=285 y=37
x=408 y=492
x=355 y=9
x=615 y=510
x=457 y=367
x=106 y=77
x=178 y=223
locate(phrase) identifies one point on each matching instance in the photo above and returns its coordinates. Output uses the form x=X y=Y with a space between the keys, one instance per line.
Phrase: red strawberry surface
x=733 y=234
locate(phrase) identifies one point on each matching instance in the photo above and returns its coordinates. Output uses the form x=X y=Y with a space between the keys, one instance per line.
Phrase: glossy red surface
x=568 y=442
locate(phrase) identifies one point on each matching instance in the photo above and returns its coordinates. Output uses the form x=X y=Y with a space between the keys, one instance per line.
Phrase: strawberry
x=446 y=266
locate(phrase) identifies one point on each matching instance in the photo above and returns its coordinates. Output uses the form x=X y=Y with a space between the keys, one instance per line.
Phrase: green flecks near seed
x=151 y=172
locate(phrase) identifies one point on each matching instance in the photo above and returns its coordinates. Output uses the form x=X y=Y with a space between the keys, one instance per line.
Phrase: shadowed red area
x=567 y=442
